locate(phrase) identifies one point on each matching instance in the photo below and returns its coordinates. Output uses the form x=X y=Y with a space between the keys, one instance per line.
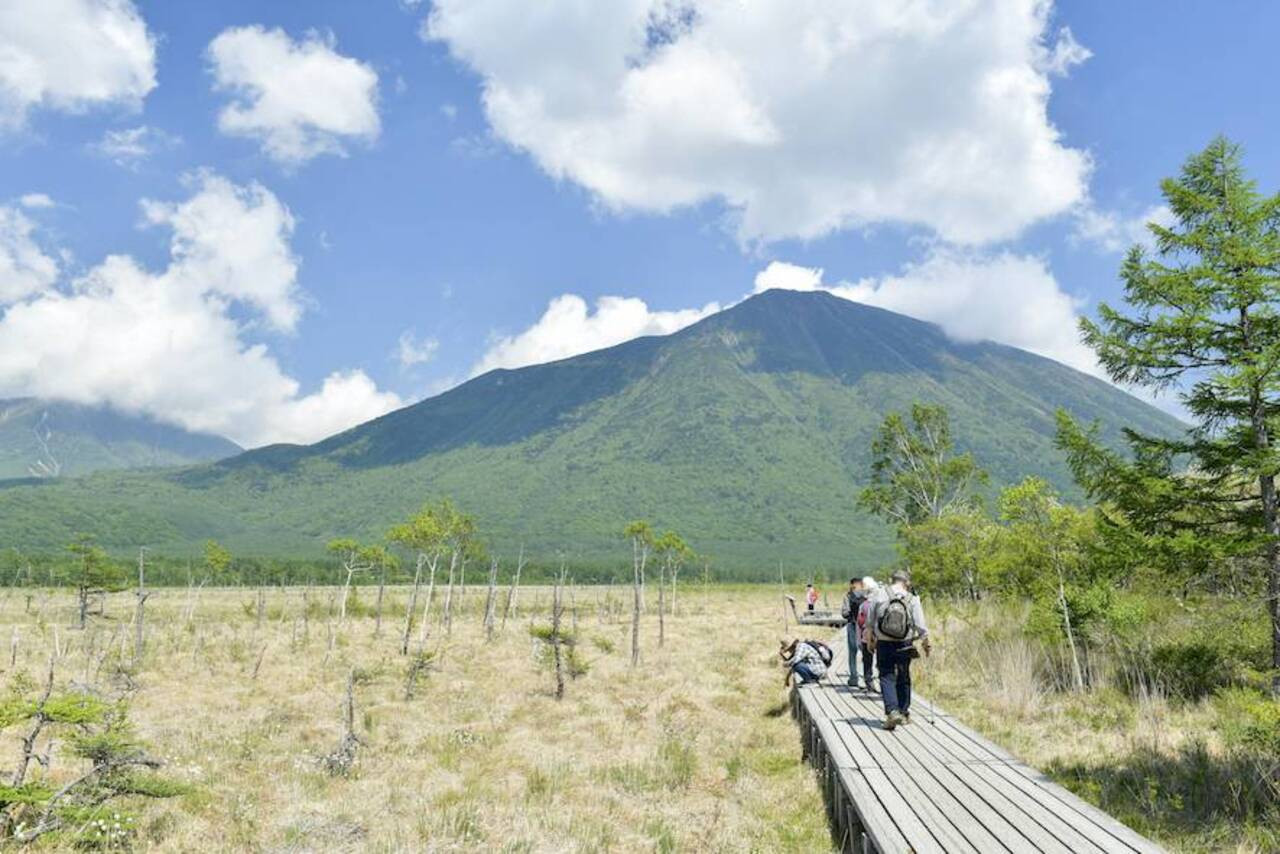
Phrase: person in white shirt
x=895 y=622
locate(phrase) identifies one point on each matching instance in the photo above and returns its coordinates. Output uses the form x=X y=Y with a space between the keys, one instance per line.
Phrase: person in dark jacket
x=853 y=599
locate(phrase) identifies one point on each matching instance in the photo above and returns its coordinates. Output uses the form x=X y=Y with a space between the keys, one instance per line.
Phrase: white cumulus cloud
x=24 y=267
x=801 y=116
x=72 y=55
x=1004 y=297
x=569 y=327
x=299 y=99
x=1112 y=232
x=172 y=343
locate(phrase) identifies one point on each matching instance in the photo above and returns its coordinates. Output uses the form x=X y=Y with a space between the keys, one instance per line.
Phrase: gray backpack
x=894 y=622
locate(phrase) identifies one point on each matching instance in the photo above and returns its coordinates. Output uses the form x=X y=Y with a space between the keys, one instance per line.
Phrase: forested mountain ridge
x=749 y=432
x=50 y=438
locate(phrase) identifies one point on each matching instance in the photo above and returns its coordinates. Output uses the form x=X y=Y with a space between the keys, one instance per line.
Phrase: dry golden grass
x=691 y=751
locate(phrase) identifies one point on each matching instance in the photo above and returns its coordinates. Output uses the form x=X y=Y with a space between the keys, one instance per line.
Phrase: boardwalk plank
x=941 y=788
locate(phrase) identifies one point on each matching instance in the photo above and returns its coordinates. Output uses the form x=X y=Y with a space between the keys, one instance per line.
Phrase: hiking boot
x=906 y=718
x=891 y=721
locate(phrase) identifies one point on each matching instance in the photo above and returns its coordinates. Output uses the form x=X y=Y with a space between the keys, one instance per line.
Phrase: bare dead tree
x=448 y=597
x=342 y=759
x=413 y=603
x=139 y=637
x=38 y=721
x=510 y=609
x=490 y=605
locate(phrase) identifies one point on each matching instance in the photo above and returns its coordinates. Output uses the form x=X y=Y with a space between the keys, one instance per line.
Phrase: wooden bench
x=936 y=787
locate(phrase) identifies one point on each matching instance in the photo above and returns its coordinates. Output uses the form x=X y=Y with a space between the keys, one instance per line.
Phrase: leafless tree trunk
x=29 y=741
x=426 y=608
x=662 y=586
x=262 y=605
x=510 y=610
x=382 y=588
x=639 y=553
x=413 y=605
x=557 y=614
x=490 y=605
x=448 y=599
x=139 y=637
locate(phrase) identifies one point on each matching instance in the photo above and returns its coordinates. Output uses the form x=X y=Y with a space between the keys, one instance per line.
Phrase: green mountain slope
x=748 y=432
x=53 y=438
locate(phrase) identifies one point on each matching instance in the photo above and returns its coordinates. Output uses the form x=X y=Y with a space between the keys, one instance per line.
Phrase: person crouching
x=803 y=661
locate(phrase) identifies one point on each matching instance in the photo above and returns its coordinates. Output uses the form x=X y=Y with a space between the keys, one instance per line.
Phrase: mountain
x=46 y=438
x=748 y=432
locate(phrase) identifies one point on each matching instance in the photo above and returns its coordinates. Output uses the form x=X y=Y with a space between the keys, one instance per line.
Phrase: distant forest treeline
x=19 y=569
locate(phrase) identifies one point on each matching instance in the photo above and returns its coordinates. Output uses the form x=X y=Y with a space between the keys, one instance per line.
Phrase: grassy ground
x=1166 y=766
x=691 y=751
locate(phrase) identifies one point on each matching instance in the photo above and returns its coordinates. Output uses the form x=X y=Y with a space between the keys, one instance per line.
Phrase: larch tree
x=91 y=573
x=1200 y=317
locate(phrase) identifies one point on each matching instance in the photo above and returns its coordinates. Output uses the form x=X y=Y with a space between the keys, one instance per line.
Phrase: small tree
x=217 y=560
x=641 y=535
x=915 y=473
x=425 y=534
x=97 y=734
x=952 y=552
x=355 y=558
x=1046 y=545
x=91 y=574
x=559 y=645
x=671 y=551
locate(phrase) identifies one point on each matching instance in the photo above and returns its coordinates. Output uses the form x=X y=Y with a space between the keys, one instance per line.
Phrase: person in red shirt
x=810 y=595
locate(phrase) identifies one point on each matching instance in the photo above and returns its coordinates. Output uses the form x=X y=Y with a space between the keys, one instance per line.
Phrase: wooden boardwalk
x=936 y=787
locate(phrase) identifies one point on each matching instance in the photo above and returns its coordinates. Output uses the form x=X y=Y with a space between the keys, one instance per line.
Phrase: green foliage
x=1205 y=309
x=97 y=733
x=954 y=553
x=915 y=473
x=90 y=568
x=1250 y=722
x=748 y=433
x=216 y=557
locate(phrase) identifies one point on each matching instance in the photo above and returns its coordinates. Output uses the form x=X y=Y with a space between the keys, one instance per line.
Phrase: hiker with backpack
x=808 y=660
x=859 y=591
x=895 y=622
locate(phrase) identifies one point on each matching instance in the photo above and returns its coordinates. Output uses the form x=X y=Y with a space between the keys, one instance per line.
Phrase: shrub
x=1190 y=670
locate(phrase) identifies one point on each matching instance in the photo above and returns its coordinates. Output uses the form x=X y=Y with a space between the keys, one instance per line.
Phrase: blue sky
x=376 y=197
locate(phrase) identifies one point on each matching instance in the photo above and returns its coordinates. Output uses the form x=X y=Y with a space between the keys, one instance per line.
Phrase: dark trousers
x=895 y=675
x=868 y=664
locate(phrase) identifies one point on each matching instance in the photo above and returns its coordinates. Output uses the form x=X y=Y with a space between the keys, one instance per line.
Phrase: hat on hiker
x=869 y=583
x=901 y=575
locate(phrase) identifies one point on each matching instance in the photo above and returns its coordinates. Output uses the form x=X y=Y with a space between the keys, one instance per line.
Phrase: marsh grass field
x=692 y=750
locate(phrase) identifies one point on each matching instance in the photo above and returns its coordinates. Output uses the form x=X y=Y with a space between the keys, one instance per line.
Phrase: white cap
x=869 y=583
